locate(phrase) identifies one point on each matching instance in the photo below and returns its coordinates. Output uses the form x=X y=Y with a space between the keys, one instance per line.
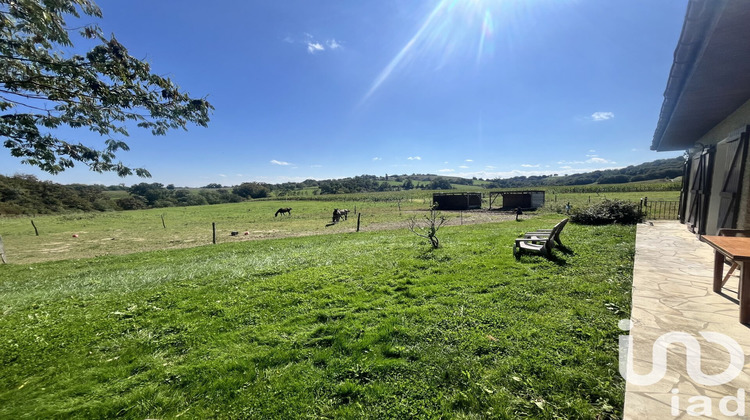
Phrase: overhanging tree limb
x=42 y=89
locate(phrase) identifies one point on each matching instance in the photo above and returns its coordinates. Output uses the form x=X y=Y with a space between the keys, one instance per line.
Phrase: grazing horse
x=287 y=210
x=339 y=213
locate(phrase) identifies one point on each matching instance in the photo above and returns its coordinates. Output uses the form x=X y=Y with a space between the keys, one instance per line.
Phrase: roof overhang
x=710 y=76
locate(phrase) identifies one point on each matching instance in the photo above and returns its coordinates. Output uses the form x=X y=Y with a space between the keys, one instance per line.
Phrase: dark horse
x=339 y=213
x=287 y=210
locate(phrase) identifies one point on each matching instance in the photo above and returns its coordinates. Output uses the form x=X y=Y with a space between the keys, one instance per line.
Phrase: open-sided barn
x=525 y=200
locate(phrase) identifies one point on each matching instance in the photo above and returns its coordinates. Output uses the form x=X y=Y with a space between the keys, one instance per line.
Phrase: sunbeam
x=444 y=32
x=401 y=54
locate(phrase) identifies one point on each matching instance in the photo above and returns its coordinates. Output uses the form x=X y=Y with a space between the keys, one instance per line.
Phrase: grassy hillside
x=368 y=325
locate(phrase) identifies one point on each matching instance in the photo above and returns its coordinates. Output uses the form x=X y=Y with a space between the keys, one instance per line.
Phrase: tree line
x=25 y=194
x=662 y=169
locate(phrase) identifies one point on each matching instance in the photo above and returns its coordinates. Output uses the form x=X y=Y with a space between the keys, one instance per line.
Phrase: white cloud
x=222 y=175
x=414 y=158
x=313 y=47
x=377 y=158
x=279 y=162
x=464 y=167
x=592 y=151
x=602 y=116
x=446 y=170
x=490 y=167
x=526 y=165
x=469 y=160
x=591 y=159
x=599 y=160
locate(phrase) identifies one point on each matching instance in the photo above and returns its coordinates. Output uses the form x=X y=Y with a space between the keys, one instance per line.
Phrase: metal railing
x=663 y=210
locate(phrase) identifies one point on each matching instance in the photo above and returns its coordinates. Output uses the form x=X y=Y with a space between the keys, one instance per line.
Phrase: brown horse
x=286 y=210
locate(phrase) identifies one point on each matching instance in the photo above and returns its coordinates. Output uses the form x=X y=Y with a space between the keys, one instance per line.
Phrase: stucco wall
x=723 y=131
x=743 y=218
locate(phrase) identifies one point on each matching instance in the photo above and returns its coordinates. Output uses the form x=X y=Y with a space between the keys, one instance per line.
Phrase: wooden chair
x=541 y=241
x=553 y=234
x=732 y=232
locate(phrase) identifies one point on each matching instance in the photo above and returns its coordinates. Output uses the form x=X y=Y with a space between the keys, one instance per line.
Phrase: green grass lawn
x=351 y=325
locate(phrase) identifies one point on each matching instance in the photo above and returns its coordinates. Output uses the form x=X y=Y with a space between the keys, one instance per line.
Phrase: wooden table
x=738 y=250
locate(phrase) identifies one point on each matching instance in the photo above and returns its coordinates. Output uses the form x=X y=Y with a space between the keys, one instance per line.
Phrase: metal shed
x=457 y=201
x=526 y=200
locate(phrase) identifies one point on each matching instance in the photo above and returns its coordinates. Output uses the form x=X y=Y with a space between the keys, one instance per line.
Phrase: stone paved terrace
x=672 y=292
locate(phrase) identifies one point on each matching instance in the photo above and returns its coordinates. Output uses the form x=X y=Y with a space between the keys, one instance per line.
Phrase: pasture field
x=125 y=232
x=116 y=233
x=347 y=325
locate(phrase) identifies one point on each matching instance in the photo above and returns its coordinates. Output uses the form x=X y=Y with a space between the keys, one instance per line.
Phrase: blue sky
x=329 y=89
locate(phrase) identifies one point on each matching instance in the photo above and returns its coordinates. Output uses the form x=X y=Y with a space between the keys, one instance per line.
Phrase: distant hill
x=662 y=169
x=25 y=194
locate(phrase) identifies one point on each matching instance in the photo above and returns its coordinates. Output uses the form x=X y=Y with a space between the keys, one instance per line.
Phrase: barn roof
x=710 y=75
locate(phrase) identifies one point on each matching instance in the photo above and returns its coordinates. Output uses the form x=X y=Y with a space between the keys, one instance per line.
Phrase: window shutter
x=729 y=204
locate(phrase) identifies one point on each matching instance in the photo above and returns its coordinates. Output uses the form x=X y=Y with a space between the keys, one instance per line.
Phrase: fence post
x=640 y=210
x=359 y=215
x=213 y=226
x=2 y=251
x=35 y=229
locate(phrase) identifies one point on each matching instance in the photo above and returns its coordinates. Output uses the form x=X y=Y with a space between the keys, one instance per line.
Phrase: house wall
x=735 y=120
x=723 y=131
x=743 y=218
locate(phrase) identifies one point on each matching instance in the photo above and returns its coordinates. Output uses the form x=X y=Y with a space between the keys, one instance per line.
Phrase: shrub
x=607 y=212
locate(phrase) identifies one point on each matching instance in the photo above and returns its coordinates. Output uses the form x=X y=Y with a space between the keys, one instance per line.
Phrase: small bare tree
x=429 y=227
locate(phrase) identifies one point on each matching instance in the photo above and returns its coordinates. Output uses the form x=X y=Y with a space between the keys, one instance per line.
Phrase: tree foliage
x=24 y=194
x=44 y=86
x=251 y=190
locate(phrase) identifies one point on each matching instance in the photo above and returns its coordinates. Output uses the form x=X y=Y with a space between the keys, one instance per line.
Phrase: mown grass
x=367 y=325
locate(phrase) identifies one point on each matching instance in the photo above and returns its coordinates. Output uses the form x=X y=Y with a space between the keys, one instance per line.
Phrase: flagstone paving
x=672 y=292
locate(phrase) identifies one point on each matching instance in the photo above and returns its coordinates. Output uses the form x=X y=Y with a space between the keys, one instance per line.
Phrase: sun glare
x=450 y=30
x=461 y=31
